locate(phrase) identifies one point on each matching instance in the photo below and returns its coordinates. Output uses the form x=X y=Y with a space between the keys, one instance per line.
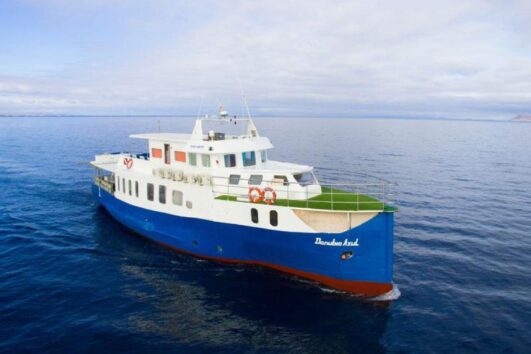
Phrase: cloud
x=413 y=58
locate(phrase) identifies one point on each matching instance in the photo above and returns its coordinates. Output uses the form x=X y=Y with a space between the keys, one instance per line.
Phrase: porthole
x=273 y=218
x=254 y=215
x=189 y=204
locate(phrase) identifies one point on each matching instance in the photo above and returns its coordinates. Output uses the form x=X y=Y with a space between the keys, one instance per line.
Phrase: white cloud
x=452 y=58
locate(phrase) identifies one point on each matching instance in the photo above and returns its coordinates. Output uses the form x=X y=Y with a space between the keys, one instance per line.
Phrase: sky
x=433 y=59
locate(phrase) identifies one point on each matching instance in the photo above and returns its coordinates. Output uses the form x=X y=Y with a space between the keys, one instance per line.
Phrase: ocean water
x=74 y=280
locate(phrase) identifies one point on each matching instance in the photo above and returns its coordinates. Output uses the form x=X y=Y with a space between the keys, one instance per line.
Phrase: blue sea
x=74 y=280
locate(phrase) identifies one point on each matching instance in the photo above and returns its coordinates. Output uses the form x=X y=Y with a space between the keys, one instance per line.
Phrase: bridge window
x=305 y=179
x=254 y=215
x=192 y=158
x=177 y=197
x=256 y=180
x=205 y=160
x=162 y=194
x=234 y=179
x=273 y=217
x=249 y=158
x=230 y=160
x=263 y=155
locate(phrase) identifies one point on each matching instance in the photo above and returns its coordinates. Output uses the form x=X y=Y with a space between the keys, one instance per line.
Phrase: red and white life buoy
x=256 y=195
x=270 y=196
x=128 y=163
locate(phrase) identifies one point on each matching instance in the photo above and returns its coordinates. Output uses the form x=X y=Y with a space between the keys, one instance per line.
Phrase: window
x=162 y=194
x=123 y=185
x=254 y=215
x=305 y=179
x=263 y=155
x=129 y=186
x=189 y=204
x=206 y=160
x=118 y=180
x=177 y=197
x=273 y=217
x=281 y=179
x=192 y=158
x=136 y=189
x=255 y=180
x=249 y=158
x=150 y=191
x=180 y=156
x=156 y=153
x=234 y=179
x=230 y=160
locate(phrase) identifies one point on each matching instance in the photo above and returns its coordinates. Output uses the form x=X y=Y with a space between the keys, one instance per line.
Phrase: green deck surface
x=331 y=199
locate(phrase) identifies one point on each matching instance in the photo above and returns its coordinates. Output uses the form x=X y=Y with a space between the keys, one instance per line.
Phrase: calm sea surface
x=73 y=280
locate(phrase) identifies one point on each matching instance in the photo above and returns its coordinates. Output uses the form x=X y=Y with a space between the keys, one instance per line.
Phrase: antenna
x=244 y=99
x=200 y=106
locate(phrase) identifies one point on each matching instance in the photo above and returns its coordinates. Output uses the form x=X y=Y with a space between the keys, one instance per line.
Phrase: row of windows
x=256 y=180
x=129 y=185
x=248 y=158
x=177 y=196
x=273 y=217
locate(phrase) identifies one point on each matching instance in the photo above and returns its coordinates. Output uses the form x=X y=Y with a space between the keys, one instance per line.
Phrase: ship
x=216 y=195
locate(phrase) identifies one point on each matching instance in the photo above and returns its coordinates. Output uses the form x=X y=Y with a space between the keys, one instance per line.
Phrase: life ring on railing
x=272 y=198
x=256 y=195
x=128 y=163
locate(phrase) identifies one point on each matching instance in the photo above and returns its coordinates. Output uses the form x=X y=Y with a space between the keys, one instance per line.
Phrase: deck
x=331 y=199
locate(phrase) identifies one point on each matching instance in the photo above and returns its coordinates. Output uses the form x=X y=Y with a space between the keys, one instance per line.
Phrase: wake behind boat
x=217 y=195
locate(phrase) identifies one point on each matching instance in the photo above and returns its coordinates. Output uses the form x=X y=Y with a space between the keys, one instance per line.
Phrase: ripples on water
x=72 y=279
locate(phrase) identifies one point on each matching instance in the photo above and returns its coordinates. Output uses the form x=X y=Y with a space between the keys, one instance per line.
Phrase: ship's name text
x=334 y=243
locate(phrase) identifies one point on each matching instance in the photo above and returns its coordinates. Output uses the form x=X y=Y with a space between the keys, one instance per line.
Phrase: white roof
x=231 y=144
x=168 y=137
x=276 y=167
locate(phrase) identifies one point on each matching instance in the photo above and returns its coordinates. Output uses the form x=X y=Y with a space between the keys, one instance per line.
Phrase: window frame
x=254 y=216
x=230 y=158
x=173 y=194
x=251 y=161
x=205 y=157
x=275 y=218
x=150 y=192
x=252 y=179
x=162 y=194
x=263 y=156
x=192 y=158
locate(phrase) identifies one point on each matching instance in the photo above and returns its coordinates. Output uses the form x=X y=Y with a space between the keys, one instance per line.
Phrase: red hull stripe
x=364 y=288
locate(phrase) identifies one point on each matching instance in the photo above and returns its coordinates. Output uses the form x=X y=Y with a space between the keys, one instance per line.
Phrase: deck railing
x=367 y=196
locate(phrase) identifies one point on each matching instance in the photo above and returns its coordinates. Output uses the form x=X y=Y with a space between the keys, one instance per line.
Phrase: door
x=167 y=156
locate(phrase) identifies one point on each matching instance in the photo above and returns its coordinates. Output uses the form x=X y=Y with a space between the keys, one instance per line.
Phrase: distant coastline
x=522 y=118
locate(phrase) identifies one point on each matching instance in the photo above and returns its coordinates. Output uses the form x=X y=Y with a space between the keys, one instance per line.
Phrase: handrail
x=327 y=196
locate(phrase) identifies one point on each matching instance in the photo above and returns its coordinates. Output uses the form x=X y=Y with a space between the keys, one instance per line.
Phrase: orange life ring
x=128 y=163
x=255 y=197
x=273 y=194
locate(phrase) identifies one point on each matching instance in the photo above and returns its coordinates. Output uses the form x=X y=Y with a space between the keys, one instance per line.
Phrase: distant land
x=522 y=118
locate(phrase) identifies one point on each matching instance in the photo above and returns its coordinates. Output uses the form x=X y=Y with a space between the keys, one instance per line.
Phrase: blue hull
x=367 y=272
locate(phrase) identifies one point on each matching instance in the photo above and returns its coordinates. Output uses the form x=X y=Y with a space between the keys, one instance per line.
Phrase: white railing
x=327 y=196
